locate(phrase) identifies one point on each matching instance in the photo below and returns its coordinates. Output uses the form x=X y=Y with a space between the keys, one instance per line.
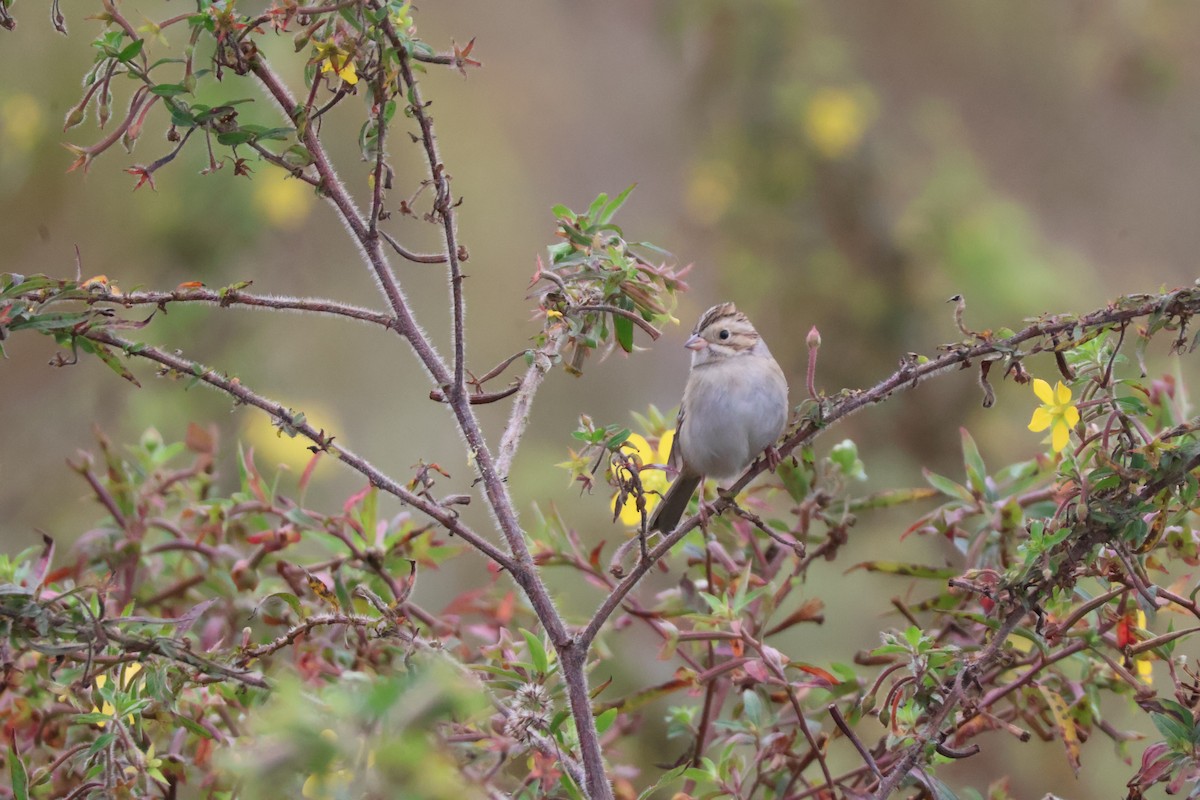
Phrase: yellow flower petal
x=1062 y=394
x=664 y=447
x=1041 y=420
x=348 y=72
x=313 y=788
x=1059 y=436
x=643 y=449
x=630 y=516
x=1071 y=415
x=1043 y=391
x=129 y=673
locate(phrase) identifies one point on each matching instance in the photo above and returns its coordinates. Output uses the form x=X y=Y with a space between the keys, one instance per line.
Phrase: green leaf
x=236 y=137
x=537 y=651
x=49 y=322
x=20 y=778
x=292 y=601
x=939 y=790
x=624 y=329
x=795 y=479
x=181 y=116
x=19 y=284
x=302 y=518
x=605 y=719
x=596 y=206
x=1177 y=733
x=615 y=205
x=619 y=438
x=131 y=52
x=168 y=89
x=976 y=471
x=948 y=487
x=108 y=357
x=92 y=718
x=752 y=707
x=907 y=570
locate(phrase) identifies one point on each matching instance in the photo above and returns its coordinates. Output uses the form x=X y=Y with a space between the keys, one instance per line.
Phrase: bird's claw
x=773 y=458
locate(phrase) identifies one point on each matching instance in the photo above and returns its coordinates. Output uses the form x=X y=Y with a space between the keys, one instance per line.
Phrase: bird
x=734 y=407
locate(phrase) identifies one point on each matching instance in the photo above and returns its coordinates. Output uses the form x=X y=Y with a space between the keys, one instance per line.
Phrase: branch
x=909 y=376
x=518 y=419
x=520 y=564
x=235 y=388
x=951 y=700
x=571 y=652
x=232 y=297
x=443 y=204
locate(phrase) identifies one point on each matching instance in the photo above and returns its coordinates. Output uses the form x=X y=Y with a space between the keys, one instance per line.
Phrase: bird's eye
x=724 y=335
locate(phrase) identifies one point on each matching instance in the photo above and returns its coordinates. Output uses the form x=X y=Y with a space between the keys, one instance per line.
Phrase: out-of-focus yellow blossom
x=125 y=679
x=334 y=783
x=1056 y=413
x=654 y=480
x=835 y=121
x=21 y=122
x=710 y=191
x=274 y=447
x=281 y=199
x=325 y=786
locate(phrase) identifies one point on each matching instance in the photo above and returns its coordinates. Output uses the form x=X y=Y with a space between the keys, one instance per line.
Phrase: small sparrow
x=735 y=405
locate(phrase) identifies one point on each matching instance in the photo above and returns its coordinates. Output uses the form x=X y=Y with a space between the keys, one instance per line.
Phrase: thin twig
x=235 y=388
x=840 y=721
x=235 y=297
x=909 y=376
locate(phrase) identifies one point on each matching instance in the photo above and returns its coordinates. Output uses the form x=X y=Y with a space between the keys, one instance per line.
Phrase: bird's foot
x=773 y=458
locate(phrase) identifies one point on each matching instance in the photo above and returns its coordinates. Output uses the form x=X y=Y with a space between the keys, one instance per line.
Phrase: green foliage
x=236 y=641
x=601 y=287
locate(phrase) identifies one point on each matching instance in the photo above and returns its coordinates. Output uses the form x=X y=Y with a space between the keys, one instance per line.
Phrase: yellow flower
x=125 y=680
x=1145 y=671
x=276 y=448
x=652 y=480
x=1056 y=413
x=21 y=123
x=835 y=121
x=284 y=201
x=343 y=65
x=326 y=786
x=334 y=783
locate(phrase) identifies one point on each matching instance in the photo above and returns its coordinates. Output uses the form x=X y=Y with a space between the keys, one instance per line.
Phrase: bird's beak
x=696 y=342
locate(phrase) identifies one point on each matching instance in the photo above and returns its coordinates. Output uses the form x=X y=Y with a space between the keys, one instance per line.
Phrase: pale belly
x=726 y=428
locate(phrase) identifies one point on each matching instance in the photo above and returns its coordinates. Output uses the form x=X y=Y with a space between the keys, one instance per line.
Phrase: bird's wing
x=675 y=458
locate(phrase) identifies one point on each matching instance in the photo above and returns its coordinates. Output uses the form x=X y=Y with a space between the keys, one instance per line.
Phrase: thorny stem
x=239 y=298
x=911 y=755
x=520 y=565
x=518 y=419
x=234 y=387
x=572 y=651
x=908 y=376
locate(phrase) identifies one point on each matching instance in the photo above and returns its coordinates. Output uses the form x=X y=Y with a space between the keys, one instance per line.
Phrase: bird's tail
x=674 y=503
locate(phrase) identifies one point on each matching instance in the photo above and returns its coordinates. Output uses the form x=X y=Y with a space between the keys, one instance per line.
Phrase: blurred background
x=847 y=165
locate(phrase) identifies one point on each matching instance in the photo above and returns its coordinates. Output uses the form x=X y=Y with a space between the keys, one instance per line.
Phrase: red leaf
x=42 y=567
x=144 y=176
x=355 y=498
x=818 y=673
x=757 y=670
